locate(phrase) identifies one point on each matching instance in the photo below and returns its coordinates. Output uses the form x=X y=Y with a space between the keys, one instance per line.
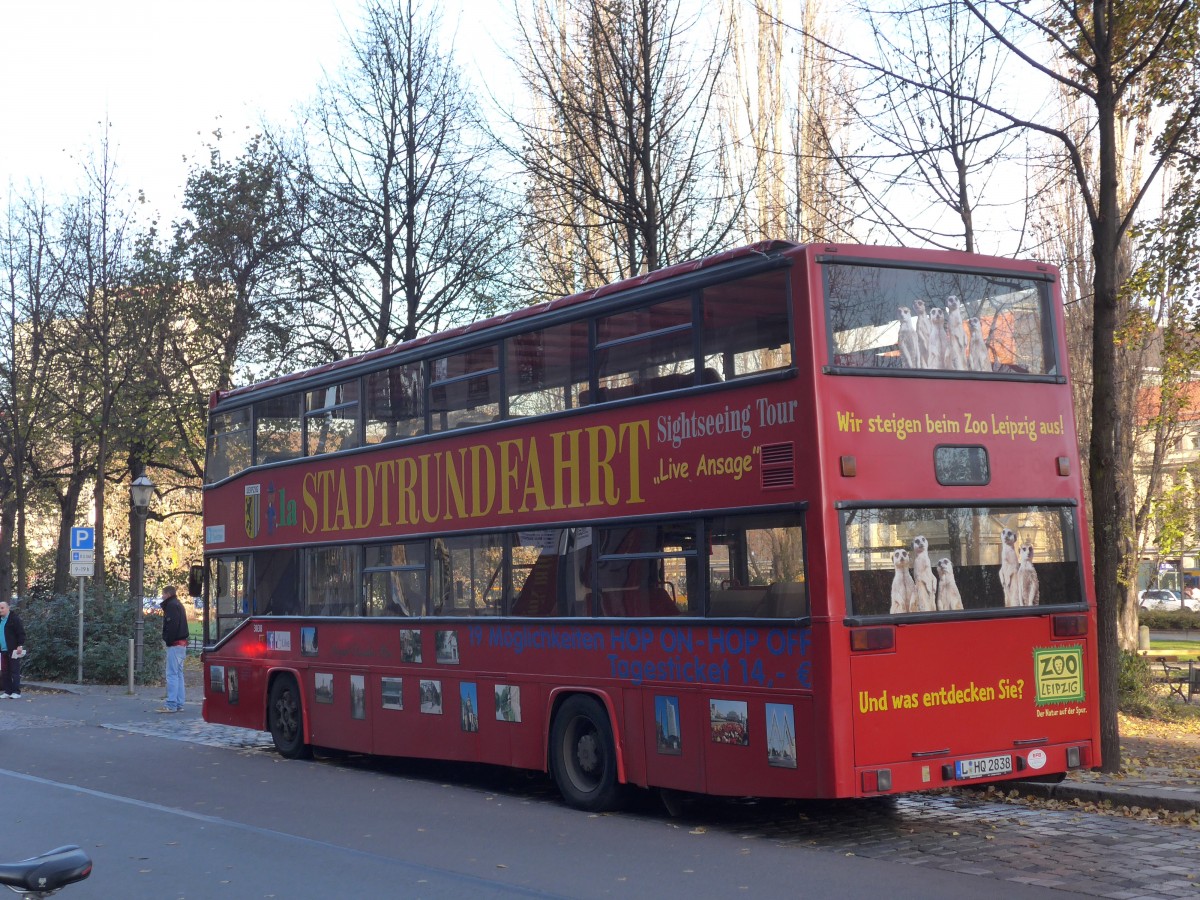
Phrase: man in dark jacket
x=175 y=636
x=12 y=648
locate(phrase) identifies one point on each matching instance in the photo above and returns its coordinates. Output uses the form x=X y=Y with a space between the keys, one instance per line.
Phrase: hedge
x=52 y=639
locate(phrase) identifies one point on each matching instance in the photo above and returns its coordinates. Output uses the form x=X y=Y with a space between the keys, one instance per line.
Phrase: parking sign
x=83 y=538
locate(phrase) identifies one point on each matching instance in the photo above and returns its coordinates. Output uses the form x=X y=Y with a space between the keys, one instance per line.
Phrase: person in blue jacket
x=12 y=649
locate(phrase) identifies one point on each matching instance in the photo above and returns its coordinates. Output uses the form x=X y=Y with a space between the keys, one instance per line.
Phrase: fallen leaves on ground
x=1164 y=750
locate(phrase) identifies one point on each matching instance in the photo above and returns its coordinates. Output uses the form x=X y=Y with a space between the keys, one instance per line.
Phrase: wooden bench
x=1182 y=682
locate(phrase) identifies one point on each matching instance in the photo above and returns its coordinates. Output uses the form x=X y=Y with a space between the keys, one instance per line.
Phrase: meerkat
x=977 y=355
x=902 y=583
x=923 y=330
x=1027 y=580
x=937 y=339
x=910 y=354
x=956 y=340
x=948 y=596
x=925 y=594
x=1009 y=564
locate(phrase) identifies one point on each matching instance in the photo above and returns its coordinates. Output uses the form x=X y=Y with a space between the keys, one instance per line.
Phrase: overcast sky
x=164 y=74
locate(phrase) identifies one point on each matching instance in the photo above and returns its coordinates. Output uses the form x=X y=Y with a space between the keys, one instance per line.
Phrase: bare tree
x=100 y=234
x=237 y=249
x=784 y=123
x=403 y=235
x=936 y=164
x=621 y=147
x=33 y=291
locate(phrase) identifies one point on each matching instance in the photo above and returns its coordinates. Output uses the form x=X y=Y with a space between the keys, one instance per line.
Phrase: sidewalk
x=1172 y=786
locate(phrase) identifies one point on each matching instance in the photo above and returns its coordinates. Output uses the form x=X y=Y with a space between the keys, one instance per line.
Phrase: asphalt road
x=171 y=807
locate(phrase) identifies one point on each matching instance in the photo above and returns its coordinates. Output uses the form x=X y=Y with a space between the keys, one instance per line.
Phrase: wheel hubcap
x=587 y=753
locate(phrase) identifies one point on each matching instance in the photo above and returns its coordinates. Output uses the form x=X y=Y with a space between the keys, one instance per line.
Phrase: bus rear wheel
x=285 y=717
x=583 y=757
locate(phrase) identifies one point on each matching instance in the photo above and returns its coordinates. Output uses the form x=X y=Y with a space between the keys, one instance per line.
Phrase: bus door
x=229 y=600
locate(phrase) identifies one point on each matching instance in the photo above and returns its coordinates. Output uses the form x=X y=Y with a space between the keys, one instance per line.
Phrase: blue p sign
x=83 y=538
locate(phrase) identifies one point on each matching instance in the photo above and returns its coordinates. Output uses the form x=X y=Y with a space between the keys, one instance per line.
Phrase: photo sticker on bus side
x=308 y=640
x=468 y=698
x=729 y=722
x=431 y=696
x=410 y=645
x=666 y=725
x=323 y=687
x=391 y=693
x=508 y=703
x=781 y=735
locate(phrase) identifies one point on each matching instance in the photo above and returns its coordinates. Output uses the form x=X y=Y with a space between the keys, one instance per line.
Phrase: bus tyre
x=285 y=717
x=583 y=757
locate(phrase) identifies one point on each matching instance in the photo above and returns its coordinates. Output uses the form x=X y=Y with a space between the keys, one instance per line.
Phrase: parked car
x=1170 y=601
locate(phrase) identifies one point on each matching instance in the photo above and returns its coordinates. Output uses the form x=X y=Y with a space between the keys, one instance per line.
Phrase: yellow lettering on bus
x=630 y=432
x=533 y=481
x=324 y=486
x=430 y=512
x=602 y=489
x=309 y=522
x=454 y=486
x=508 y=473
x=406 y=492
x=364 y=496
x=343 y=504
x=483 y=472
x=566 y=463
x=385 y=474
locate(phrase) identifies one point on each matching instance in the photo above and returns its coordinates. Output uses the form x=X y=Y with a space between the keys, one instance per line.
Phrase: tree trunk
x=1110 y=507
x=8 y=518
x=68 y=505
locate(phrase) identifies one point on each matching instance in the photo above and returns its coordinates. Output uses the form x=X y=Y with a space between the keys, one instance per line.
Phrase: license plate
x=983 y=767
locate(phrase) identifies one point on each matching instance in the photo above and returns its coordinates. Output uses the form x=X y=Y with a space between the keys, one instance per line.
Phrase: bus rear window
x=906 y=560
x=893 y=318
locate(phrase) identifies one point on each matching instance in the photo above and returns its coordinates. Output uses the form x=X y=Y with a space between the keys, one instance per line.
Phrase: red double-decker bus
x=788 y=521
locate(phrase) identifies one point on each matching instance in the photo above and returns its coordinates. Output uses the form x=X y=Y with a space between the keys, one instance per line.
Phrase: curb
x=52 y=688
x=1142 y=796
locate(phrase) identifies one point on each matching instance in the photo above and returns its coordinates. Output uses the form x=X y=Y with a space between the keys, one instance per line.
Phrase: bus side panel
x=336 y=703
x=675 y=726
x=526 y=748
x=771 y=723
x=722 y=708
x=235 y=693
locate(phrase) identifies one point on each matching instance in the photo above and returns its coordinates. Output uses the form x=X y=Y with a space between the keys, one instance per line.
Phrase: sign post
x=83 y=562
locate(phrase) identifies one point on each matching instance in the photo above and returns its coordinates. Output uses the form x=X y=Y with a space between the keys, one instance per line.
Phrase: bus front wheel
x=285 y=716
x=583 y=757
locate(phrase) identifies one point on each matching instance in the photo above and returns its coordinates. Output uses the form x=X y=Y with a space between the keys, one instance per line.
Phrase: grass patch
x=1184 y=649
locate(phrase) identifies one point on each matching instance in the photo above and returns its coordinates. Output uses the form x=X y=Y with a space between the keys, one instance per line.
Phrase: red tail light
x=1070 y=626
x=879 y=638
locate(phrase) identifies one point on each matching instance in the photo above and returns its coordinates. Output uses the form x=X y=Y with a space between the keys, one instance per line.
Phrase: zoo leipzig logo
x=1058 y=674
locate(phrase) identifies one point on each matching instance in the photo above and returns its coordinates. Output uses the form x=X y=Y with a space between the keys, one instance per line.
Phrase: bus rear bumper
x=1025 y=764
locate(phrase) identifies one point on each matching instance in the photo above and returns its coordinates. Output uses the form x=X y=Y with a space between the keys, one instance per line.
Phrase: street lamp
x=140 y=491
